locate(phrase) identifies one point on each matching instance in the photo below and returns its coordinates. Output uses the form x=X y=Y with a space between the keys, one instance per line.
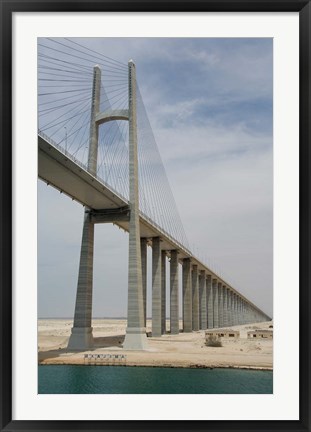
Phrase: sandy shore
x=183 y=350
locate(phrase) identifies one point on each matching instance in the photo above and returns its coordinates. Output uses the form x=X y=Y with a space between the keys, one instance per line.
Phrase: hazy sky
x=210 y=104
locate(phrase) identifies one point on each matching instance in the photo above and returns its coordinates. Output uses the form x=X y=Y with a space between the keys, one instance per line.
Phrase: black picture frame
x=7 y=8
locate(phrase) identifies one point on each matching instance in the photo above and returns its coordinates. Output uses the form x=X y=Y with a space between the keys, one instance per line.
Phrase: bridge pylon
x=81 y=337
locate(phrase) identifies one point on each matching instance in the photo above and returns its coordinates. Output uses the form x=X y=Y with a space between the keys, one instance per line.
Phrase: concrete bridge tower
x=81 y=334
x=135 y=337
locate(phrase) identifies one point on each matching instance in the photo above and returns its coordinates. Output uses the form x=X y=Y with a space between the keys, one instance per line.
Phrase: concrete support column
x=82 y=334
x=174 y=298
x=215 y=303
x=163 y=292
x=143 y=248
x=135 y=338
x=247 y=319
x=187 y=295
x=210 y=302
x=220 y=305
x=195 y=299
x=242 y=312
x=226 y=317
x=238 y=310
x=235 y=318
x=156 y=287
x=202 y=300
x=230 y=307
x=250 y=315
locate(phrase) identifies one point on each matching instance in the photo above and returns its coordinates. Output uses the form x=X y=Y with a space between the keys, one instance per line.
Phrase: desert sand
x=182 y=350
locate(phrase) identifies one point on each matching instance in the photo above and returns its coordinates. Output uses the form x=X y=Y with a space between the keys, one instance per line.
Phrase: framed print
x=120 y=123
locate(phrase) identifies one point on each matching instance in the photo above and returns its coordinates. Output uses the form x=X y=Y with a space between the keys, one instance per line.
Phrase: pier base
x=135 y=339
x=81 y=339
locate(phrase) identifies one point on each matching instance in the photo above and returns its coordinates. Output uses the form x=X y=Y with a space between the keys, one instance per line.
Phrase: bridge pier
x=210 y=302
x=225 y=318
x=245 y=312
x=81 y=337
x=202 y=300
x=235 y=309
x=220 y=305
x=240 y=311
x=187 y=295
x=195 y=299
x=215 y=304
x=163 y=292
x=156 y=287
x=238 y=303
x=229 y=308
x=143 y=249
x=174 y=297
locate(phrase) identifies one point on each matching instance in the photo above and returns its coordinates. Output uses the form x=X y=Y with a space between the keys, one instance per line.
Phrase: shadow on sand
x=115 y=341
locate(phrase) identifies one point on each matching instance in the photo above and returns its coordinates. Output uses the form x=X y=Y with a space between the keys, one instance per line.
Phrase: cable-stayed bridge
x=96 y=145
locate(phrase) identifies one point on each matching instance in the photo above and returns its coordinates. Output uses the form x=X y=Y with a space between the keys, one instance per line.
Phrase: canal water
x=65 y=379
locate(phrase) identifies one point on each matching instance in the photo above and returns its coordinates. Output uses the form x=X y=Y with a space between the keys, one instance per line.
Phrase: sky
x=210 y=105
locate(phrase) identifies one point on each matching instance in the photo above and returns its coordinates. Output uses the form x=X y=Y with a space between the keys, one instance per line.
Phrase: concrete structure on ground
x=207 y=300
x=223 y=333
x=260 y=334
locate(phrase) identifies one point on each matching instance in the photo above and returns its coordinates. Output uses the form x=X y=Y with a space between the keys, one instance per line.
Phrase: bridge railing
x=166 y=234
x=78 y=162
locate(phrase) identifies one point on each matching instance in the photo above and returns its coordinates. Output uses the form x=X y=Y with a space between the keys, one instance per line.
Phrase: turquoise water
x=146 y=380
